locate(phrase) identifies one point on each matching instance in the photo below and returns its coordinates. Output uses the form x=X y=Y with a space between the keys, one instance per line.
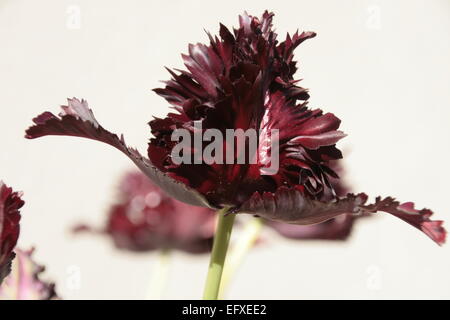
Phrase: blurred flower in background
x=146 y=219
x=24 y=282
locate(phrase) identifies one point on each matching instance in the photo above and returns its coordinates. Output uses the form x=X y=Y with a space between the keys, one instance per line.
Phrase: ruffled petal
x=289 y=205
x=76 y=119
x=419 y=219
x=243 y=79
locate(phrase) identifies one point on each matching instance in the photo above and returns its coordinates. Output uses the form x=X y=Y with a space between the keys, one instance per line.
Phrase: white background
x=382 y=66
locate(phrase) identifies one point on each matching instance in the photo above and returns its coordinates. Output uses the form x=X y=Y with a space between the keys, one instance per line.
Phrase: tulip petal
x=291 y=206
x=419 y=219
x=76 y=119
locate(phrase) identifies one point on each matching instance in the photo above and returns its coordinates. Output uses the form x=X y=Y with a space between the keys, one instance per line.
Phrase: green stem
x=218 y=254
x=245 y=243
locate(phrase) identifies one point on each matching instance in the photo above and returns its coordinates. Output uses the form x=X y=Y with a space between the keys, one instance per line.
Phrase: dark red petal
x=205 y=67
x=24 y=282
x=286 y=50
x=76 y=119
x=10 y=203
x=316 y=141
x=324 y=123
x=307 y=141
x=419 y=219
x=291 y=206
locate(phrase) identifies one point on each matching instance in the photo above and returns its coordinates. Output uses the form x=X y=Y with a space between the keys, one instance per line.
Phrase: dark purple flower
x=147 y=219
x=10 y=203
x=244 y=80
x=24 y=282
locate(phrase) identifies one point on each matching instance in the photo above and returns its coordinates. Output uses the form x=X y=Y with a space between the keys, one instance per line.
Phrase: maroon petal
x=316 y=141
x=10 y=203
x=291 y=206
x=24 y=283
x=76 y=119
x=286 y=50
x=205 y=67
x=419 y=219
